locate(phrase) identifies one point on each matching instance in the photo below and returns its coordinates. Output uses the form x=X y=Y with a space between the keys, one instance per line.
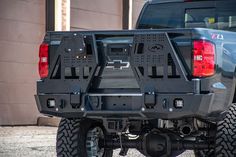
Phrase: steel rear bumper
x=132 y=107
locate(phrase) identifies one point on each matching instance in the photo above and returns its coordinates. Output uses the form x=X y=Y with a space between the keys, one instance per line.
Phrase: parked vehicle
x=163 y=88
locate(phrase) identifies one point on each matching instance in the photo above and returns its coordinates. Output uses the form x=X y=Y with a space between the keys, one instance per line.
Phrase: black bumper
x=132 y=107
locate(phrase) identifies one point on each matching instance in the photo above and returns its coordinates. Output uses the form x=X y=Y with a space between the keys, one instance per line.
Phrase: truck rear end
x=163 y=88
x=123 y=77
x=131 y=74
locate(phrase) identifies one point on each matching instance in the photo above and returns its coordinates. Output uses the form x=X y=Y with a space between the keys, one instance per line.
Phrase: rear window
x=221 y=16
x=204 y=18
x=158 y=16
x=210 y=18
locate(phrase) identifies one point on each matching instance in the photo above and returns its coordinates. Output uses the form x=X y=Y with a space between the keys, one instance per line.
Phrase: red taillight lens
x=43 y=60
x=203 y=58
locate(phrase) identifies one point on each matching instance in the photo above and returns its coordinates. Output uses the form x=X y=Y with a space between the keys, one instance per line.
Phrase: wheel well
x=234 y=99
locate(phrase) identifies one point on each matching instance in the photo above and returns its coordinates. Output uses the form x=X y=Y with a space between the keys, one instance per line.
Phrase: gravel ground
x=39 y=142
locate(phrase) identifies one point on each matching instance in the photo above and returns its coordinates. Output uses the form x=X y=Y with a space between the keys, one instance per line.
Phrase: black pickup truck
x=163 y=88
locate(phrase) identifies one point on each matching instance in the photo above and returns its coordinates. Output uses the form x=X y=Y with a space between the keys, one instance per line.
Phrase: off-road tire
x=226 y=135
x=71 y=138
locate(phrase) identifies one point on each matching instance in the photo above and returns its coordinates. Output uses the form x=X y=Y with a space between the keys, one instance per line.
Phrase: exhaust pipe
x=185 y=129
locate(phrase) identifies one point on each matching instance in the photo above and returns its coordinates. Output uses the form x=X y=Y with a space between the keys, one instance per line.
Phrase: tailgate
x=137 y=61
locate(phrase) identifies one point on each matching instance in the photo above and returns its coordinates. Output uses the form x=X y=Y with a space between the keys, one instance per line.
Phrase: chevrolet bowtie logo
x=117 y=64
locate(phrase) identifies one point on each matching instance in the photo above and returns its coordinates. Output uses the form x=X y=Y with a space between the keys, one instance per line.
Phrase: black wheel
x=225 y=138
x=79 y=138
x=226 y=135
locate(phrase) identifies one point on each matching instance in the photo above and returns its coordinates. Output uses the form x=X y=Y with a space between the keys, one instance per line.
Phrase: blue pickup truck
x=163 y=88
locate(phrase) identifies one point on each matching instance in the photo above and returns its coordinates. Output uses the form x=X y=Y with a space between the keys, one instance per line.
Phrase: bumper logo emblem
x=155 y=47
x=118 y=64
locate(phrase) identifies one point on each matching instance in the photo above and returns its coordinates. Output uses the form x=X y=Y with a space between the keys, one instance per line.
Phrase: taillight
x=203 y=58
x=43 y=60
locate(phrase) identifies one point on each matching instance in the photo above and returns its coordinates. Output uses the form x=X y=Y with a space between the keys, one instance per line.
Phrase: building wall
x=22 y=24
x=96 y=14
